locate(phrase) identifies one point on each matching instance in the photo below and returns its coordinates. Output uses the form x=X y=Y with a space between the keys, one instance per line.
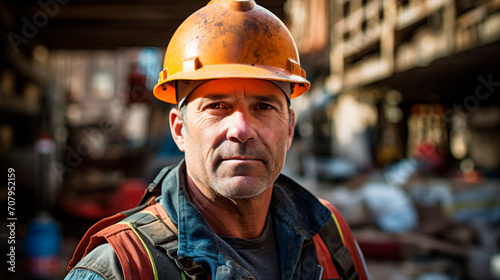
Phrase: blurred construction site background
x=400 y=130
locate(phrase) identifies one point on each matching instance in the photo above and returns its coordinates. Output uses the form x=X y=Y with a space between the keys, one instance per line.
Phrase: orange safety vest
x=138 y=235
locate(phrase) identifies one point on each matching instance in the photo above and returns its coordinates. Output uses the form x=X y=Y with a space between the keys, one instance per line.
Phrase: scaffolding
x=373 y=39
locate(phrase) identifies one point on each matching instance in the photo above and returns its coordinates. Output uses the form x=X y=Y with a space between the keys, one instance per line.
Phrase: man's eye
x=263 y=106
x=214 y=106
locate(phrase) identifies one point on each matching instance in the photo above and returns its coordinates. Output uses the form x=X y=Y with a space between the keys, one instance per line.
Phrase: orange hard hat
x=230 y=39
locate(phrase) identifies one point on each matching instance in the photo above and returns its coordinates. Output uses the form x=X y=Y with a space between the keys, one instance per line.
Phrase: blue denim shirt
x=297 y=217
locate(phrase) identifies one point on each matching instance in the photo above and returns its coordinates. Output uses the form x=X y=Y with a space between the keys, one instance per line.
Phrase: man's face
x=235 y=136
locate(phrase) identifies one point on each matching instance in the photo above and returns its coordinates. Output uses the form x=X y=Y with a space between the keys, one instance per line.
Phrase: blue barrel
x=42 y=248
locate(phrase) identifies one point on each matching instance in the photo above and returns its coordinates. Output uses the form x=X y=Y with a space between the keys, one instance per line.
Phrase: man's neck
x=241 y=218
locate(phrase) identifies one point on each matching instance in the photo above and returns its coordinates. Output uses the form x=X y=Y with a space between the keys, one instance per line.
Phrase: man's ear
x=176 y=125
x=291 y=129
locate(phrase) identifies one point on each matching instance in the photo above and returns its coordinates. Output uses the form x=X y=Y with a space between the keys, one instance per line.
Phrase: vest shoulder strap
x=147 y=228
x=335 y=245
x=89 y=241
x=160 y=233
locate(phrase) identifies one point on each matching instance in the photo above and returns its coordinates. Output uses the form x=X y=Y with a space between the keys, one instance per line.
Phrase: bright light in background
x=102 y=85
x=102 y=82
x=352 y=117
x=149 y=61
x=495 y=266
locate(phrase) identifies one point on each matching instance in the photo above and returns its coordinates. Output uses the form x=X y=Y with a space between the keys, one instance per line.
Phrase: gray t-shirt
x=259 y=256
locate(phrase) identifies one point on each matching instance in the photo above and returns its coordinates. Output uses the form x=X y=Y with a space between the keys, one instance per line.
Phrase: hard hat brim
x=166 y=91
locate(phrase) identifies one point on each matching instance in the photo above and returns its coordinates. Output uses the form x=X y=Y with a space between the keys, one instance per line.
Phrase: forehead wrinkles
x=260 y=92
x=233 y=91
x=220 y=90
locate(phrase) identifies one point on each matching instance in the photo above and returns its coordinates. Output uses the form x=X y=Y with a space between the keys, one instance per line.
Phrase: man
x=225 y=212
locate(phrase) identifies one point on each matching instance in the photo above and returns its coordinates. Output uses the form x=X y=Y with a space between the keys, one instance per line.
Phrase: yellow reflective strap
x=150 y=255
x=183 y=275
x=338 y=228
x=150 y=213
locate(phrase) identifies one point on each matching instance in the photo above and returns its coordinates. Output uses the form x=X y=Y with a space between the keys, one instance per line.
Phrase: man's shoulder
x=101 y=263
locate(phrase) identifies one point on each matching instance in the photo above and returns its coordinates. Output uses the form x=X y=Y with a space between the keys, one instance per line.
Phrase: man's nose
x=241 y=127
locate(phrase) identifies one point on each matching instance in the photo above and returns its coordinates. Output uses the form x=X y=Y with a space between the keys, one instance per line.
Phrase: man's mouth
x=241 y=158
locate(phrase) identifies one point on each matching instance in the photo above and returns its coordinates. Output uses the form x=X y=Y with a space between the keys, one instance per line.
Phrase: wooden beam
x=111 y=12
x=95 y=24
